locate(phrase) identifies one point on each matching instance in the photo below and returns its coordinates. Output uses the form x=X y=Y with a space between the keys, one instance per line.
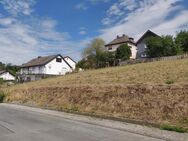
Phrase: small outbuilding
x=7 y=76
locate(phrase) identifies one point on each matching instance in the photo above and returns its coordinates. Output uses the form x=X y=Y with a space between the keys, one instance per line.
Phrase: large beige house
x=124 y=39
x=138 y=48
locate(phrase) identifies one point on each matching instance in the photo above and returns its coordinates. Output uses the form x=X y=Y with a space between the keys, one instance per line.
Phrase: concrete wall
x=7 y=76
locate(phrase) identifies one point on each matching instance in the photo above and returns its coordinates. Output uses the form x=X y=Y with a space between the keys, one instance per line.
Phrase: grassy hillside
x=149 y=73
x=152 y=92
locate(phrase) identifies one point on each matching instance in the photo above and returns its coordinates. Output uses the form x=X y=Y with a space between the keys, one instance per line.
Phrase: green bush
x=1 y=81
x=173 y=128
x=123 y=52
x=169 y=82
x=2 y=96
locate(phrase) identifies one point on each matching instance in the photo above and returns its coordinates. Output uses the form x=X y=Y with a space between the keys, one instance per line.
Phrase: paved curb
x=128 y=127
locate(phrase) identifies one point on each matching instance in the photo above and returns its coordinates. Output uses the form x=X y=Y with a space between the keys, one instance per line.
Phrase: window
x=110 y=48
x=143 y=55
x=58 y=60
x=49 y=67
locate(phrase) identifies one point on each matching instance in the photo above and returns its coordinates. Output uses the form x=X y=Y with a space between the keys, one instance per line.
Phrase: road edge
x=118 y=125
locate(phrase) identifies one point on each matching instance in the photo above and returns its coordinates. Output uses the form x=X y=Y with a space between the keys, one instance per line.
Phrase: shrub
x=123 y=52
x=173 y=128
x=169 y=82
x=2 y=96
x=161 y=46
x=1 y=81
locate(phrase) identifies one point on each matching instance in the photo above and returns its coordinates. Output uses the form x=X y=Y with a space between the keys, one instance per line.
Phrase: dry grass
x=148 y=73
x=142 y=92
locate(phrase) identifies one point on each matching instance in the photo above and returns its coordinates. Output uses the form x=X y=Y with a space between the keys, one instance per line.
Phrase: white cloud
x=18 y=7
x=20 y=42
x=22 y=39
x=87 y=3
x=6 y=21
x=153 y=14
x=81 y=6
x=98 y=1
x=82 y=32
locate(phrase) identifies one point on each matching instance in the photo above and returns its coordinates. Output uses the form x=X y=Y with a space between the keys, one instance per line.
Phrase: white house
x=141 y=44
x=6 y=75
x=113 y=45
x=70 y=61
x=44 y=67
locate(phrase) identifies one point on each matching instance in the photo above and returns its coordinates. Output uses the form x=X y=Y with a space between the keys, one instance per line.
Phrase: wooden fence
x=145 y=60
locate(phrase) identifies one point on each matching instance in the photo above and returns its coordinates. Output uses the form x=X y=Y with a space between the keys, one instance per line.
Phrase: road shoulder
x=128 y=127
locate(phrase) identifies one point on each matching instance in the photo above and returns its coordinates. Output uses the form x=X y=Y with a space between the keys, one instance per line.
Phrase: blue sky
x=30 y=28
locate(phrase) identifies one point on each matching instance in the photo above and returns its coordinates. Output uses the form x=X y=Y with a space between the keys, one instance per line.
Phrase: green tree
x=161 y=46
x=94 y=48
x=81 y=64
x=92 y=54
x=181 y=40
x=105 y=59
x=154 y=47
x=2 y=66
x=123 y=52
x=12 y=68
x=169 y=47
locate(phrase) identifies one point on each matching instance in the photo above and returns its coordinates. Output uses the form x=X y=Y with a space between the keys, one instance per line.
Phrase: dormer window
x=59 y=60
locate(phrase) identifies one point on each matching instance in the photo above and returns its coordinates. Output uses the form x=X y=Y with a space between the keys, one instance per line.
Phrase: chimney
x=123 y=35
x=117 y=36
x=39 y=56
x=131 y=39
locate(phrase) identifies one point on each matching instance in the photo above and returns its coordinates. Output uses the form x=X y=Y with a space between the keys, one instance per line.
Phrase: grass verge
x=173 y=128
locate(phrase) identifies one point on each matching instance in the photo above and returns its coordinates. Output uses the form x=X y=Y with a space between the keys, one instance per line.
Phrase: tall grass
x=2 y=96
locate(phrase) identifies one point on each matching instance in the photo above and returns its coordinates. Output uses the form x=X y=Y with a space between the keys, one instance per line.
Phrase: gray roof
x=148 y=33
x=120 y=40
x=40 y=61
x=2 y=71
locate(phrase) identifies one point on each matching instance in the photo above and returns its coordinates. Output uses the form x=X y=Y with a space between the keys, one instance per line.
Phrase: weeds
x=1 y=81
x=2 y=96
x=173 y=128
x=169 y=82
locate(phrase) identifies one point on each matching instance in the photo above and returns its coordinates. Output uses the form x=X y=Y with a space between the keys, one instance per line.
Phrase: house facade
x=43 y=67
x=71 y=62
x=120 y=40
x=7 y=76
x=141 y=44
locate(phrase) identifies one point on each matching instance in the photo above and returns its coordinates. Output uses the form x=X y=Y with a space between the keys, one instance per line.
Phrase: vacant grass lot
x=152 y=92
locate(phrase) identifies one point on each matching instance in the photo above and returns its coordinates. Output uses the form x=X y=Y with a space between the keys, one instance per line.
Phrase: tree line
x=95 y=55
x=167 y=45
x=9 y=67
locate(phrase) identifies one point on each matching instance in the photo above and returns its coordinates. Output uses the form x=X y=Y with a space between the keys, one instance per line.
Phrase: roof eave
x=120 y=43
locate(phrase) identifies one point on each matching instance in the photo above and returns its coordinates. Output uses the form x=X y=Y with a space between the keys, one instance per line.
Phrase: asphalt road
x=19 y=125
